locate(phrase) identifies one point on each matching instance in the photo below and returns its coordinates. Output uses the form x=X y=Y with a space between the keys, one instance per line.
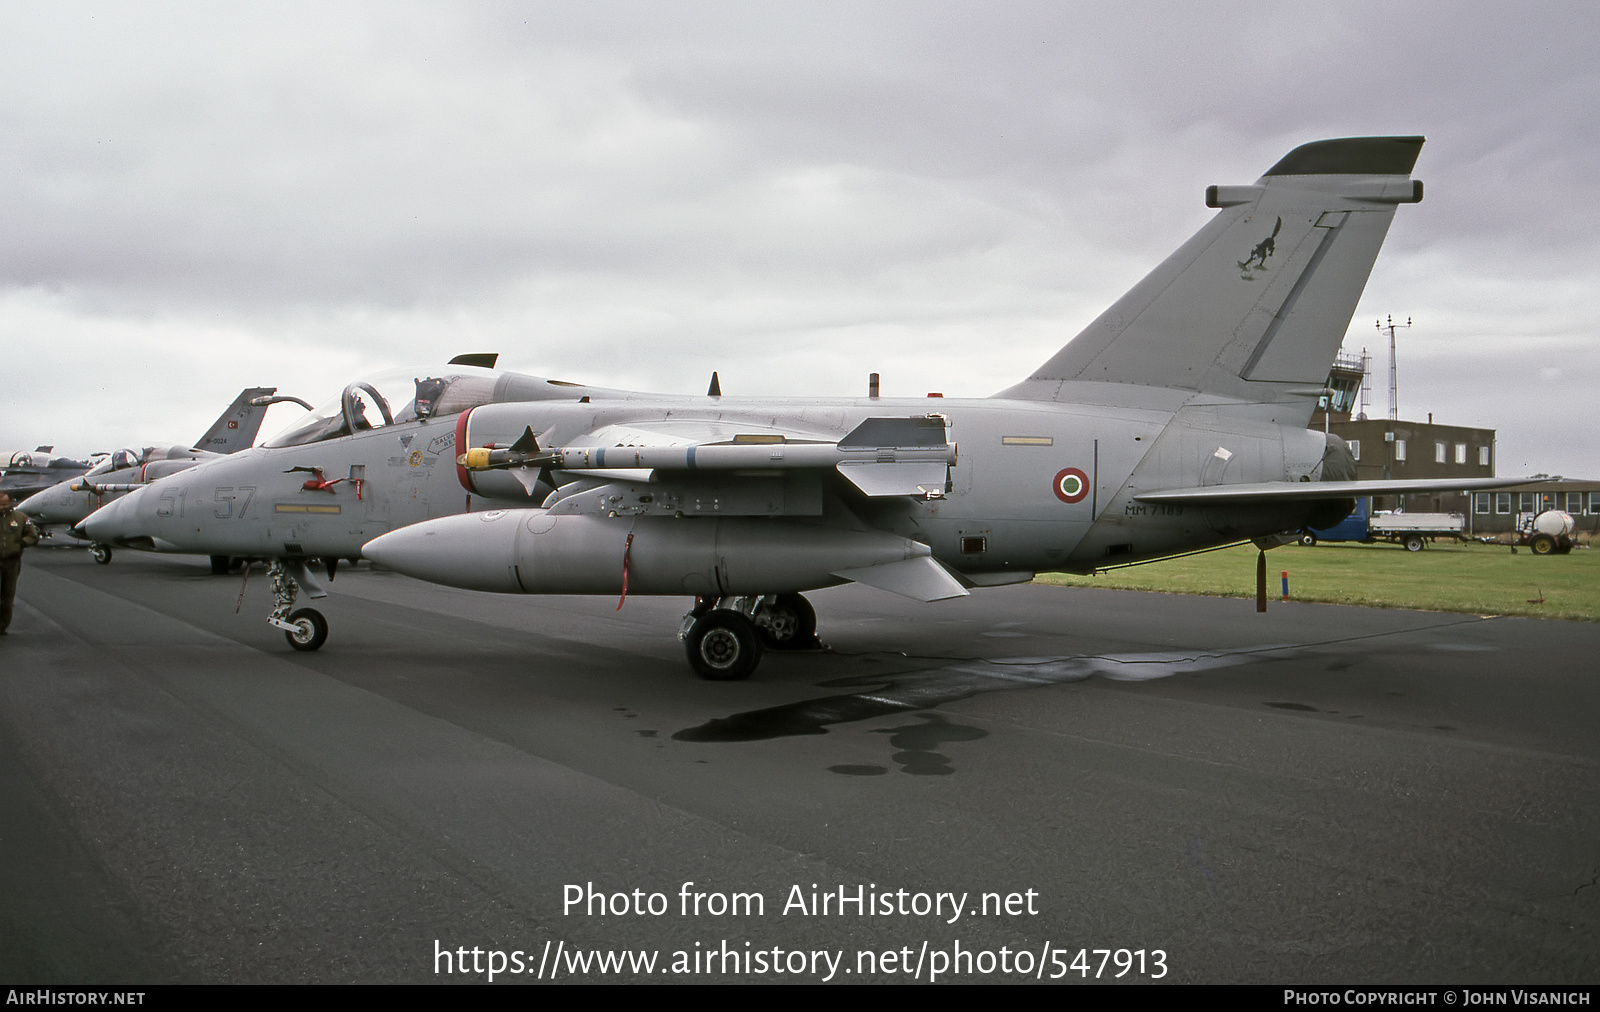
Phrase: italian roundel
x=1071 y=485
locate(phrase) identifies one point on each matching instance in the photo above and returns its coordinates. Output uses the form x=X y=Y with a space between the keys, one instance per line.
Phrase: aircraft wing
x=1299 y=491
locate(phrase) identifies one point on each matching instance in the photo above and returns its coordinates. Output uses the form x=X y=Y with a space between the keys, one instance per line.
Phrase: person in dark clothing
x=16 y=533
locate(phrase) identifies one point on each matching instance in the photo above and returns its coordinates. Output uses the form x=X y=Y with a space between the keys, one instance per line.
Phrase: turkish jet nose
x=476 y=551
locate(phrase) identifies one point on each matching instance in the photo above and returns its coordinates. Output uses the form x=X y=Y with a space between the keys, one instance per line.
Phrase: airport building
x=1499 y=512
x=1394 y=448
x=1398 y=449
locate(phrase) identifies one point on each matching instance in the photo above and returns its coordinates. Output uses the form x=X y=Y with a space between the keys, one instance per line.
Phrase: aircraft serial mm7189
x=1175 y=421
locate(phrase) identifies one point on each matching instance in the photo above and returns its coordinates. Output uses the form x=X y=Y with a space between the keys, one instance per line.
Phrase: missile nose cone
x=476 y=551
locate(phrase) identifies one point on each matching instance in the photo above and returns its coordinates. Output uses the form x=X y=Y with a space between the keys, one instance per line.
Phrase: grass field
x=1478 y=579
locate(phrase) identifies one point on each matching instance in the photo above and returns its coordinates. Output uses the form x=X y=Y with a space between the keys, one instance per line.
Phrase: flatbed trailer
x=1412 y=531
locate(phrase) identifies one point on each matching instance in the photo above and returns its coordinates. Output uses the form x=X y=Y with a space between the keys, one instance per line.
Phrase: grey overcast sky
x=202 y=197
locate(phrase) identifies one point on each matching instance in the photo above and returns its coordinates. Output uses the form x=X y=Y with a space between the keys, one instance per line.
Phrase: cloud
x=200 y=198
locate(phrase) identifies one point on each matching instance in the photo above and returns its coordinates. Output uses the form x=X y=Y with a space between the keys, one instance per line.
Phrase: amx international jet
x=1175 y=421
x=68 y=502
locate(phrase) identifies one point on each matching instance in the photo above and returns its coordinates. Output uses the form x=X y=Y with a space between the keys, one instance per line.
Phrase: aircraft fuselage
x=1034 y=485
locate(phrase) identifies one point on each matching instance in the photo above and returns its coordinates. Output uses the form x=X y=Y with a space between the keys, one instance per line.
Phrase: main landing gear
x=305 y=629
x=724 y=637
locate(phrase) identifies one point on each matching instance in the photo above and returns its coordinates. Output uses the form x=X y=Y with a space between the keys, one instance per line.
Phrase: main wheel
x=789 y=624
x=101 y=553
x=312 y=629
x=1543 y=544
x=1413 y=542
x=723 y=646
x=1308 y=539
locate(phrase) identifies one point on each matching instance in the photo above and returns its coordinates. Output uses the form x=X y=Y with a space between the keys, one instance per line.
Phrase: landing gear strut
x=305 y=629
x=724 y=637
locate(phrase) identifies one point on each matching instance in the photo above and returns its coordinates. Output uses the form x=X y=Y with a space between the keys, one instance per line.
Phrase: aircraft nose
x=112 y=522
x=45 y=507
x=477 y=551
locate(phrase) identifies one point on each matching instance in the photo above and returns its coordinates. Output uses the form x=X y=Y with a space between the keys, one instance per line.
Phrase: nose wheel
x=305 y=629
x=100 y=553
x=310 y=629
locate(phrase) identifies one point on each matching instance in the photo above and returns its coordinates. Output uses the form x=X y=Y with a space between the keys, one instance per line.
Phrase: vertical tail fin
x=1256 y=304
x=235 y=429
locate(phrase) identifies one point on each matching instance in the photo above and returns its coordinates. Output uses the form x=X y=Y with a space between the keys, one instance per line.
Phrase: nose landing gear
x=305 y=629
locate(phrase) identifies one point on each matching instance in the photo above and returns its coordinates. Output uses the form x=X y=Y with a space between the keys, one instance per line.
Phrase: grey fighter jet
x=67 y=503
x=1175 y=421
x=27 y=474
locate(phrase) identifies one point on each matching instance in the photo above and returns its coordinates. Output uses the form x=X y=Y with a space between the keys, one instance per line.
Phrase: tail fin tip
x=1345 y=156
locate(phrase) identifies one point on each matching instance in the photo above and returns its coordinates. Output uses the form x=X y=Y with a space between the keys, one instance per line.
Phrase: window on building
x=1502 y=502
x=1547 y=501
x=1438 y=453
x=1399 y=449
x=1480 y=502
x=1575 y=502
x=1594 y=502
x=1355 y=448
x=1461 y=453
x=1483 y=456
x=1525 y=502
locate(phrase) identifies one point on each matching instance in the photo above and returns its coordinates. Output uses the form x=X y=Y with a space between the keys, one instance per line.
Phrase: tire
x=1542 y=544
x=1308 y=539
x=723 y=646
x=101 y=553
x=1412 y=542
x=220 y=565
x=313 y=631
x=791 y=624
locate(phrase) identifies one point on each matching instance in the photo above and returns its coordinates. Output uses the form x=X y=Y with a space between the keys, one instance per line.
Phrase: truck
x=1411 y=530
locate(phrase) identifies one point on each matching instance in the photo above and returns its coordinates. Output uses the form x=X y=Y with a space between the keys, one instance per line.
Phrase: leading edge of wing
x=1295 y=491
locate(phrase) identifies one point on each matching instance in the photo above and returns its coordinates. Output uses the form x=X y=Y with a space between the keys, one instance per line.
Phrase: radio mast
x=1394 y=385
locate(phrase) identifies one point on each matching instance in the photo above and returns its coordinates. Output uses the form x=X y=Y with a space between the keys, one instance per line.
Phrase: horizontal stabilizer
x=920 y=578
x=1300 y=491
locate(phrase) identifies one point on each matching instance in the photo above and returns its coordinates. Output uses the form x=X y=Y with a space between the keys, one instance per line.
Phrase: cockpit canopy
x=408 y=395
x=393 y=398
x=118 y=460
x=129 y=457
x=40 y=459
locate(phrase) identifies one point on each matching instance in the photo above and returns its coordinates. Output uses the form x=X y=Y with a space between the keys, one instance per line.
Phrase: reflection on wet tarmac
x=928 y=688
